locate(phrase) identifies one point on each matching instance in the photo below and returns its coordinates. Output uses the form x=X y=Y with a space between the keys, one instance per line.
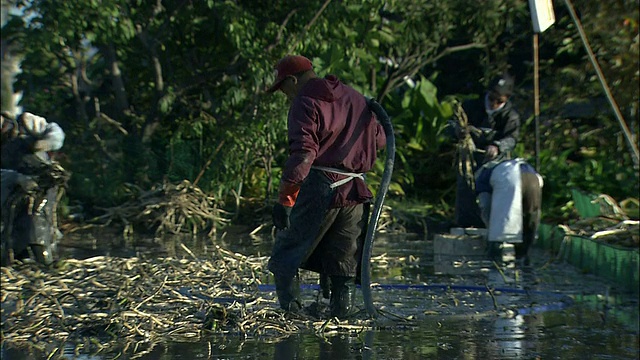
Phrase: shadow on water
x=451 y=306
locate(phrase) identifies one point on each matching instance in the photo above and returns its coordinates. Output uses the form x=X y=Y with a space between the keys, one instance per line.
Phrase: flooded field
x=431 y=306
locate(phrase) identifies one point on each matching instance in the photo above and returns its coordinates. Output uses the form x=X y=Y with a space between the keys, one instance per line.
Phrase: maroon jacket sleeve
x=303 y=148
x=303 y=141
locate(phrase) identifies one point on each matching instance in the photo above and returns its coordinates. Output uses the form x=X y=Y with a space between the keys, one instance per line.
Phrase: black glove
x=453 y=130
x=280 y=215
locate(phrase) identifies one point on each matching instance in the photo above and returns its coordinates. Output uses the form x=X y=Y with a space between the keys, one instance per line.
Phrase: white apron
x=505 y=223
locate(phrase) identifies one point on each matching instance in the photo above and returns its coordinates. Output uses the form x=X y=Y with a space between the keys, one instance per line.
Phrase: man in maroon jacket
x=323 y=200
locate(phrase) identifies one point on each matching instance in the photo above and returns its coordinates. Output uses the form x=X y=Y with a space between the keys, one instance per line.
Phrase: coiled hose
x=365 y=275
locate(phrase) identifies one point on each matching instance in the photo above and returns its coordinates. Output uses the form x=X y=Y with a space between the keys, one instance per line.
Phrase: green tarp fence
x=620 y=265
x=585 y=204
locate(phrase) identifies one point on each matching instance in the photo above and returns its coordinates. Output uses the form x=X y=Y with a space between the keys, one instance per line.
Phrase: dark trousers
x=320 y=239
x=338 y=245
x=531 y=208
x=467 y=211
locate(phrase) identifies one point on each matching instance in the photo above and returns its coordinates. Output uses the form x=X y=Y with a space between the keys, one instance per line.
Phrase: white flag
x=542 y=14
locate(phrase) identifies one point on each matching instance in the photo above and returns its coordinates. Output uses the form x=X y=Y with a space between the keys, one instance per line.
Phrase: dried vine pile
x=103 y=302
x=466 y=146
x=166 y=209
x=614 y=226
x=624 y=233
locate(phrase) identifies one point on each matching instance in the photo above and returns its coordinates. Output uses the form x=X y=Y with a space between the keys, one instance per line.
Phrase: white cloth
x=505 y=223
x=52 y=140
x=34 y=124
x=50 y=135
x=349 y=175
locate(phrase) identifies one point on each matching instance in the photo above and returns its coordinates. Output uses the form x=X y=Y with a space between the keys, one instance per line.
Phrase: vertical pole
x=633 y=147
x=536 y=98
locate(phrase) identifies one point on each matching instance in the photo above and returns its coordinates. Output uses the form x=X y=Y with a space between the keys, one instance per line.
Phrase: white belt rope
x=349 y=175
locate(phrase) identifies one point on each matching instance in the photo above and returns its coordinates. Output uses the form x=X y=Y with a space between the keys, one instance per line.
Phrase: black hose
x=365 y=275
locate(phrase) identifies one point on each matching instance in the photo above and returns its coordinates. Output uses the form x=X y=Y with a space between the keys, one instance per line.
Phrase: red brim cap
x=276 y=85
x=287 y=66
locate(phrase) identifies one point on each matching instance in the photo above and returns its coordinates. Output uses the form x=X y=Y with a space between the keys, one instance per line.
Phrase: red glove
x=288 y=193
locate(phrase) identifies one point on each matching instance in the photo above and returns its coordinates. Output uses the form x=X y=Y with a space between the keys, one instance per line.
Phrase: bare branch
x=280 y=30
x=295 y=43
x=411 y=64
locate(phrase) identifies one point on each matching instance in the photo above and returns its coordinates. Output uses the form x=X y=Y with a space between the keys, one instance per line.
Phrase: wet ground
x=434 y=304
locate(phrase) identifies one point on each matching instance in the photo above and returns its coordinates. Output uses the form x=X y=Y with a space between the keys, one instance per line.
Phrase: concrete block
x=462 y=245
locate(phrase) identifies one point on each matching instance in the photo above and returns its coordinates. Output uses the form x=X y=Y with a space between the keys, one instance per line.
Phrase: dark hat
x=289 y=65
x=502 y=85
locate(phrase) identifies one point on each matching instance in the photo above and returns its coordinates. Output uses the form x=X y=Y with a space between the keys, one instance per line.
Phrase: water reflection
x=336 y=347
x=576 y=333
x=481 y=312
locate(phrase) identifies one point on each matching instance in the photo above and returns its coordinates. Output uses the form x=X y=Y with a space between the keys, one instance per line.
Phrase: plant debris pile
x=103 y=302
x=119 y=306
x=623 y=233
x=616 y=225
x=167 y=208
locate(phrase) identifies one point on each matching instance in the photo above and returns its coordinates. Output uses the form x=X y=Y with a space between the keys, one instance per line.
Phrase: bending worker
x=29 y=189
x=323 y=200
x=494 y=127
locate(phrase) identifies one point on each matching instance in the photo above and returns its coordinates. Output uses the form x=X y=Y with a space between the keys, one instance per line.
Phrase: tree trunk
x=119 y=91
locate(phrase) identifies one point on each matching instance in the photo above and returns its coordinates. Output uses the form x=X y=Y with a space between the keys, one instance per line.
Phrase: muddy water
x=433 y=307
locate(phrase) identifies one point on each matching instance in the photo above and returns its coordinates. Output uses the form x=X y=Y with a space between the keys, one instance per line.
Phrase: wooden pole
x=635 y=153
x=536 y=98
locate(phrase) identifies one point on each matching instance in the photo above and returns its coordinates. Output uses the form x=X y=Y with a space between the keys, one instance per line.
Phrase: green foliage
x=418 y=118
x=151 y=91
x=582 y=143
x=574 y=159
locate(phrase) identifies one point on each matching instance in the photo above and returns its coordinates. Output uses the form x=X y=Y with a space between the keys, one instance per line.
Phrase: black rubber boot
x=522 y=253
x=288 y=292
x=342 y=295
x=494 y=250
x=325 y=285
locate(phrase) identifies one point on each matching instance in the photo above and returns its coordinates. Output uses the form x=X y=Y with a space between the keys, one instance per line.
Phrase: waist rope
x=349 y=175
